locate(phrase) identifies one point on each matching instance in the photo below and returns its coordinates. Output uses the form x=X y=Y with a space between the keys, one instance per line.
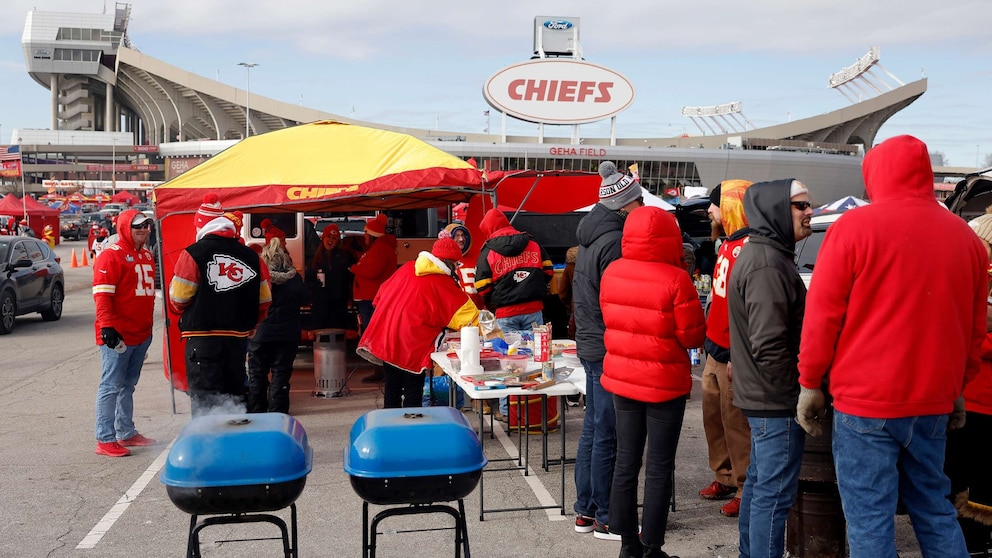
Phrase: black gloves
x=110 y=337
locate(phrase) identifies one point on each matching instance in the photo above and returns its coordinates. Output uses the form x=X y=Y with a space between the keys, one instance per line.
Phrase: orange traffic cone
x=74 y=262
x=85 y=263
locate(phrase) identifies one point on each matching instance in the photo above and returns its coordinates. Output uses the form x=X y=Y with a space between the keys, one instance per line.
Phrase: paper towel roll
x=469 y=354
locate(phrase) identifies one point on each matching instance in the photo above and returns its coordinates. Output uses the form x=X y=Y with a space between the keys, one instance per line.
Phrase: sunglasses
x=142 y=226
x=801 y=205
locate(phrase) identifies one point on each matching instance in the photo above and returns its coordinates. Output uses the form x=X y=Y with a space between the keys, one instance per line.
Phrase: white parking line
x=544 y=497
x=117 y=510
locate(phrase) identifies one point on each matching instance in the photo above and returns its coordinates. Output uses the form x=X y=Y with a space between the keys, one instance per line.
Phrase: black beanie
x=715 y=195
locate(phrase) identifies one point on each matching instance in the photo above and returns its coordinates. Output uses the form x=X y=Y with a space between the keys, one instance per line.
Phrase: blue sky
x=423 y=64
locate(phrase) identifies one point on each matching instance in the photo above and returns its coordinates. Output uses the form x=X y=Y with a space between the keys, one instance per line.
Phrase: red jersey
x=718 y=321
x=124 y=287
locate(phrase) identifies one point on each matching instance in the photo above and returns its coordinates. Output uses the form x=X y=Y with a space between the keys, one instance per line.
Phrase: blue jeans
x=597 y=452
x=115 y=396
x=772 y=483
x=523 y=322
x=879 y=460
x=658 y=426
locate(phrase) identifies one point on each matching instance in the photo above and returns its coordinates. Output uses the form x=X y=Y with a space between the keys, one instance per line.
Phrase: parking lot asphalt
x=60 y=499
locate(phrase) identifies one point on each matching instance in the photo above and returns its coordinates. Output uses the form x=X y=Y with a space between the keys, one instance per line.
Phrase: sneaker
x=573 y=400
x=498 y=415
x=601 y=531
x=717 y=491
x=731 y=508
x=137 y=440
x=584 y=524
x=112 y=449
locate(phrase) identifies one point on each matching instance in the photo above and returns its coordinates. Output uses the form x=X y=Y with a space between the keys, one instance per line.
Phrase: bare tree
x=988 y=161
x=937 y=159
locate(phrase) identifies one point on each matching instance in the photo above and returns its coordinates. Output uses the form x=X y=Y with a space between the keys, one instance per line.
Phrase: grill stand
x=461 y=526
x=289 y=544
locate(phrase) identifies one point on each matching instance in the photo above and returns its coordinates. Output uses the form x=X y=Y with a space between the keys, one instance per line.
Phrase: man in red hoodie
x=377 y=264
x=124 y=293
x=896 y=316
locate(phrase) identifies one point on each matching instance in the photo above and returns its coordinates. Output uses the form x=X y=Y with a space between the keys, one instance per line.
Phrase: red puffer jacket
x=651 y=310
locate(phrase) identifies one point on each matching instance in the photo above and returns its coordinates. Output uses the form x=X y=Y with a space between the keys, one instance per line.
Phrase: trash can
x=329 y=363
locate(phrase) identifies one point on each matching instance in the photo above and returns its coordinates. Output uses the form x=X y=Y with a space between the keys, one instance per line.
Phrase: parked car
x=31 y=280
x=70 y=227
x=972 y=195
x=114 y=207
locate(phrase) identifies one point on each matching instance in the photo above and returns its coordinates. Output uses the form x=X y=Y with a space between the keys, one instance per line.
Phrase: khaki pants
x=728 y=436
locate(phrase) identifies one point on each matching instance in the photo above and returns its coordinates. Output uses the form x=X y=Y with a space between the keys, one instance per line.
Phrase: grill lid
x=413 y=442
x=238 y=450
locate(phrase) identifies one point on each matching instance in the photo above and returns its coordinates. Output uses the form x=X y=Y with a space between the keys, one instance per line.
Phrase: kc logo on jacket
x=226 y=272
x=519 y=276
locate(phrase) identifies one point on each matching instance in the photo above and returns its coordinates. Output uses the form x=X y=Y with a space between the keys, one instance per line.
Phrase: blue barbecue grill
x=236 y=466
x=416 y=457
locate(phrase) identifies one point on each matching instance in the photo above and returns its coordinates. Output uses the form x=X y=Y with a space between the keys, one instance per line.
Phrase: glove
x=810 y=409
x=110 y=337
x=956 y=419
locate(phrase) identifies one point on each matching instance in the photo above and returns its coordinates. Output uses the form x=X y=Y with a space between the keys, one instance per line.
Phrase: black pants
x=263 y=357
x=402 y=389
x=658 y=425
x=968 y=471
x=215 y=371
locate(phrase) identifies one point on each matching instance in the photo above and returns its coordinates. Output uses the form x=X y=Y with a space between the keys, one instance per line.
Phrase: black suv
x=31 y=280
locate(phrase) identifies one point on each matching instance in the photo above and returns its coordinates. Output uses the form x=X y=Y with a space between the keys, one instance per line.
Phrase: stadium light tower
x=248 y=66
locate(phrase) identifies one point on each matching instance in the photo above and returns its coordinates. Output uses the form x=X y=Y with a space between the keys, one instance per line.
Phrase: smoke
x=207 y=404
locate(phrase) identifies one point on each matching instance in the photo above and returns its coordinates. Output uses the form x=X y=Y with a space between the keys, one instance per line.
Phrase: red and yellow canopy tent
x=317 y=167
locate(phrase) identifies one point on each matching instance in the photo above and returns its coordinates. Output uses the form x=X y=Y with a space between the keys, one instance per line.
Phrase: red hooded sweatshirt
x=896 y=309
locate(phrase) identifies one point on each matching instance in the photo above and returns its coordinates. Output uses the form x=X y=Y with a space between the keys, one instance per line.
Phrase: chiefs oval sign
x=558 y=91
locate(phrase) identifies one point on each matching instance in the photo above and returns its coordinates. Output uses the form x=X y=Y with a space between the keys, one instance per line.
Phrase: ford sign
x=558 y=91
x=558 y=24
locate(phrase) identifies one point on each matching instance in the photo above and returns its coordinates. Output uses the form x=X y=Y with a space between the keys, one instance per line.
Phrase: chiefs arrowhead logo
x=227 y=272
x=519 y=276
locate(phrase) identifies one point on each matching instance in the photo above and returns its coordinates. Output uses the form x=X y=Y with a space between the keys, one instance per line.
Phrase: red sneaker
x=112 y=449
x=137 y=440
x=731 y=508
x=717 y=491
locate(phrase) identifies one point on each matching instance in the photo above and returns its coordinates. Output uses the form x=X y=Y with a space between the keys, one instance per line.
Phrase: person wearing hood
x=377 y=264
x=221 y=292
x=413 y=308
x=512 y=276
x=124 y=295
x=653 y=317
x=274 y=345
x=599 y=235
x=897 y=318
x=728 y=437
x=766 y=298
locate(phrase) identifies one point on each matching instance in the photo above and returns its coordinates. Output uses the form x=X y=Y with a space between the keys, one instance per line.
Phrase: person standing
x=413 y=309
x=653 y=317
x=124 y=295
x=896 y=322
x=221 y=291
x=330 y=281
x=728 y=436
x=377 y=264
x=512 y=276
x=766 y=301
x=598 y=235
x=274 y=345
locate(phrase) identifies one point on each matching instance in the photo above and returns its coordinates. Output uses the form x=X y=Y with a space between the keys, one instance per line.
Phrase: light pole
x=113 y=167
x=248 y=66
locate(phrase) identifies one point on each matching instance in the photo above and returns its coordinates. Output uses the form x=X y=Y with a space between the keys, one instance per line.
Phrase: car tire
x=54 y=310
x=8 y=309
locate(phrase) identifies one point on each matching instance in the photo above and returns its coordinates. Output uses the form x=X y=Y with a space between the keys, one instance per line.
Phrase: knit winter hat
x=377 y=226
x=616 y=190
x=446 y=249
x=209 y=210
x=797 y=189
x=982 y=225
x=237 y=218
x=715 y=195
x=331 y=230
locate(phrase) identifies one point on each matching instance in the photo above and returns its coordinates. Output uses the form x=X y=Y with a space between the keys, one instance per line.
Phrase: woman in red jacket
x=653 y=316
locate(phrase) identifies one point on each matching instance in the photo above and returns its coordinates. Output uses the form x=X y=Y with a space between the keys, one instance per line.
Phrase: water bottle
x=121 y=347
x=694 y=356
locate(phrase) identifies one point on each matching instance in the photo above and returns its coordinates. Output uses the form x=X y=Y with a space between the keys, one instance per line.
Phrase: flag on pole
x=10 y=161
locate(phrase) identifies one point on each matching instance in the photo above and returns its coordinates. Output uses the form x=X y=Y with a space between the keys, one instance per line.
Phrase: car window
x=37 y=251
x=4 y=248
x=808 y=249
x=19 y=252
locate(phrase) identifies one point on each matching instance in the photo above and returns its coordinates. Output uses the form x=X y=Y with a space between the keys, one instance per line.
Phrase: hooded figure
x=653 y=316
x=512 y=272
